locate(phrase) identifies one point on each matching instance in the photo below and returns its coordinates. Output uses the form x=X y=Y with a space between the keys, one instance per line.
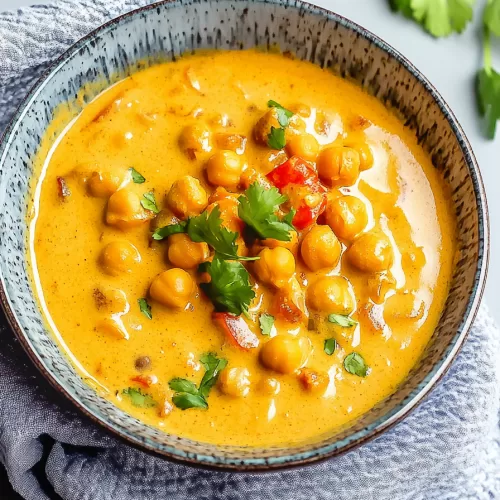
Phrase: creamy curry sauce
x=374 y=246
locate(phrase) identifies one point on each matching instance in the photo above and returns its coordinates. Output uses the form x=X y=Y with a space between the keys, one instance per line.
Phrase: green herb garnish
x=137 y=178
x=166 y=231
x=229 y=288
x=330 y=346
x=187 y=395
x=342 y=320
x=276 y=138
x=266 y=322
x=283 y=114
x=145 y=308
x=149 y=203
x=258 y=207
x=139 y=398
x=355 y=364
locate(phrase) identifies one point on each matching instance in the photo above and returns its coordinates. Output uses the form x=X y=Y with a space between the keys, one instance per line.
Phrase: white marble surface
x=450 y=64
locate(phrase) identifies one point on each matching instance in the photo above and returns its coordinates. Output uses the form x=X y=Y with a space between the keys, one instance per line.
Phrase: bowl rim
x=383 y=423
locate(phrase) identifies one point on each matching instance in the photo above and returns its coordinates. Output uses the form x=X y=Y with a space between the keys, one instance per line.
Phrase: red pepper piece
x=284 y=307
x=145 y=380
x=236 y=330
x=298 y=180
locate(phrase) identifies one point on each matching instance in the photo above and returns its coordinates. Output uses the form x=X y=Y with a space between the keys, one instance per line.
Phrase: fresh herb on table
x=229 y=288
x=137 y=178
x=139 y=398
x=148 y=202
x=355 y=364
x=276 y=138
x=266 y=322
x=187 y=395
x=258 y=207
x=342 y=320
x=145 y=307
x=442 y=18
x=329 y=346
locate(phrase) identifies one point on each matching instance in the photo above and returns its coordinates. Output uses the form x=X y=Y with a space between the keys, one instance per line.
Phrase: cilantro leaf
x=283 y=114
x=491 y=16
x=342 y=320
x=137 y=178
x=149 y=203
x=208 y=227
x=266 y=323
x=139 y=398
x=166 y=231
x=257 y=209
x=329 y=346
x=145 y=308
x=488 y=96
x=187 y=395
x=229 y=288
x=276 y=138
x=355 y=364
x=438 y=17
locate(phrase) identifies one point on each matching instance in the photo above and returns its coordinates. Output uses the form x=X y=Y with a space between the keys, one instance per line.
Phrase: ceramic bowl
x=164 y=31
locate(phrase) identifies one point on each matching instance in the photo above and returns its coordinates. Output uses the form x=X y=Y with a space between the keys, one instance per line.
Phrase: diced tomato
x=236 y=330
x=297 y=179
x=145 y=380
x=284 y=307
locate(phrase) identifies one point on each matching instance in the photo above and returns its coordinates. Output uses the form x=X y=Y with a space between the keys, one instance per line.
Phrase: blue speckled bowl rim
x=383 y=423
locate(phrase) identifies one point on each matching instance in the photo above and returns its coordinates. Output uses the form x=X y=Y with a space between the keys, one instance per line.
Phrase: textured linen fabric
x=448 y=448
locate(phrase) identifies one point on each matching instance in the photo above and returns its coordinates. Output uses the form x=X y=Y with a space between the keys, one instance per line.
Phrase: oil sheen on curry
x=240 y=247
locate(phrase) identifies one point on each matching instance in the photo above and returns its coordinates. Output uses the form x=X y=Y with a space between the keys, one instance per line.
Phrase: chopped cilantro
x=145 y=308
x=149 y=203
x=137 y=178
x=266 y=322
x=139 y=398
x=283 y=114
x=342 y=320
x=166 y=231
x=276 y=138
x=355 y=364
x=329 y=346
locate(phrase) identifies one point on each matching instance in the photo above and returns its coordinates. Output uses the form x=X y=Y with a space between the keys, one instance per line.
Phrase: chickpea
x=285 y=353
x=365 y=155
x=304 y=145
x=124 y=210
x=347 y=216
x=263 y=127
x=113 y=327
x=276 y=266
x=269 y=385
x=104 y=183
x=112 y=300
x=314 y=381
x=185 y=253
x=320 y=248
x=187 y=197
x=172 y=288
x=235 y=382
x=372 y=252
x=331 y=294
x=225 y=168
x=196 y=138
x=231 y=142
x=164 y=218
x=338 y=166
x=291 y=245
x=119 y=257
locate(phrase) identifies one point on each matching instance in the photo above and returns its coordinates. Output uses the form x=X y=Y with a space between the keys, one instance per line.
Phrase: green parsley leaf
x=208 y=227
x=330 y=346
x=187 y=395
x=342 y=320
x=149 y=203
x=355 y=364
x=491 y=16
x=276 y=138
x=438 y=17
x=229 y=288
x=257 y=209
x=137 y=178
x=266 y=322
x=164 y=232
x=139 y=398
x=283 y=114
x=213 y=367
x=145 y=308
x=488 y=96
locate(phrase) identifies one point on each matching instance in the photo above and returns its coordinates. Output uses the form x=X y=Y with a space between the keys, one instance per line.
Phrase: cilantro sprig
x=145 y=308
x=258 y=207
x=276 y=137
x=229 y=288
x=138 y=398
x=342 y=320
x=148 y=202
x=137 y=177
x=187 y=395
x=206 y=227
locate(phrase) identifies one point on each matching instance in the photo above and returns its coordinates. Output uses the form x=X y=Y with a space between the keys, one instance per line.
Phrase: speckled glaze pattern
x=164 y=31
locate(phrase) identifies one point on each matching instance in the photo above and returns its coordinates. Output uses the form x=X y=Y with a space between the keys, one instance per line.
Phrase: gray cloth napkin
x=449 y=448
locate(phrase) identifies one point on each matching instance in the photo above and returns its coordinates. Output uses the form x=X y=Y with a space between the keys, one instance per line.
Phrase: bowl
x=164 y=31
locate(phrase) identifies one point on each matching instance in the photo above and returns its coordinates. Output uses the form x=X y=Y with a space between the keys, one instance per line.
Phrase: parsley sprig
x=276 y=137
x=258 y=207
x=187 y=395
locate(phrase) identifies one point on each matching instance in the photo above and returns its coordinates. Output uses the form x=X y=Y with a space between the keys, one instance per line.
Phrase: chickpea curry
x=240 y=247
